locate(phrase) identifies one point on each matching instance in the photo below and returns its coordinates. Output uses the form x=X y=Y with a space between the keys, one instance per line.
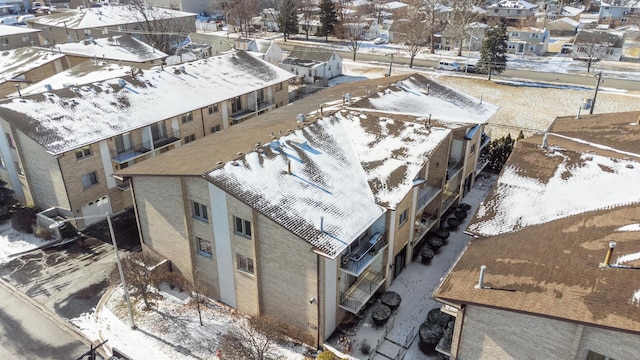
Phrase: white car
x=380 y=41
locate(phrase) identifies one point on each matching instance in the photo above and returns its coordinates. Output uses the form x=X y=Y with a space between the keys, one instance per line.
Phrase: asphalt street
x=27 y=333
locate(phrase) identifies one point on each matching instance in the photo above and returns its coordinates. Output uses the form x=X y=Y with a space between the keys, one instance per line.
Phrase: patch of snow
x=630 y=227
x=13 y=242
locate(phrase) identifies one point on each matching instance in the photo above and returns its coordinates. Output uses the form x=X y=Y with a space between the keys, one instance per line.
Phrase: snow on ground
x=14 y=243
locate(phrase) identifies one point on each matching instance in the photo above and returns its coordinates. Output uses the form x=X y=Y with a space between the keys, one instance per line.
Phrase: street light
x=115 y=247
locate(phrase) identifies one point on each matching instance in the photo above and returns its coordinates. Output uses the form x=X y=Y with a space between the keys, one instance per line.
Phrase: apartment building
x=13 y=37
x=61 y=147
x=22 y=66
x=551 y=270
x=305 y=214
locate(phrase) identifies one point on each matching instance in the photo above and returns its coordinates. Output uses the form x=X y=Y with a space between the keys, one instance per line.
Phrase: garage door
x=95 y=211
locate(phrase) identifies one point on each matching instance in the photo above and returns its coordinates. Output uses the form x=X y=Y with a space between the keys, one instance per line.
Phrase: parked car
x=380 y=40
x=9 y=20
x=470 y=68
x=567 y=48
x=448 y=65
x=23 y=18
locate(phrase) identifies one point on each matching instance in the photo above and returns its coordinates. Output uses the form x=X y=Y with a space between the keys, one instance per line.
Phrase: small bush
x=327 y=355
x=44 y=233
x=436 y=316
x=442 y=233
x=173 y=279
x=24 y=219
x=435 y=242
x=426 y=255
x=365 y=347
x=380 y=314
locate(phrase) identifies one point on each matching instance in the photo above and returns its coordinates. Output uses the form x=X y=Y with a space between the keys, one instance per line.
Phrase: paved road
x=581 y=79
x=26 y=333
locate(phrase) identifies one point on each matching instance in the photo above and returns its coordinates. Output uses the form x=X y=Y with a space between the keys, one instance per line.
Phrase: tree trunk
x=307 y=32
x=489 y=72
x=199 y=312
x=460 y=47
x=411 y=61
x=433 y=51
x=354 y=54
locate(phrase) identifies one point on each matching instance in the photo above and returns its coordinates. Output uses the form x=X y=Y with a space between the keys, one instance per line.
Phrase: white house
x=313 y=64
x=267 y=50
x=527 y=40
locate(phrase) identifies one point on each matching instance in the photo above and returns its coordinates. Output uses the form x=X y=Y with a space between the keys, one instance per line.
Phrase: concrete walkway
x=415 y=285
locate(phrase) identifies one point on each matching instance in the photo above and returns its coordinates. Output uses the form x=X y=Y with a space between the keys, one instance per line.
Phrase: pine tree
x=493 y=54
x=328 y=18
x=288 y=18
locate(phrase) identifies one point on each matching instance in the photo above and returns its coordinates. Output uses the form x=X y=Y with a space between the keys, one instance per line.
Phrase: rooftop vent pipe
x=607 y=259
x=480 y=285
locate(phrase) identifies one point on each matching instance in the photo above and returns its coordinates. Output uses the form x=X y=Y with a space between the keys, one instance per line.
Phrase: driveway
x=70 y=279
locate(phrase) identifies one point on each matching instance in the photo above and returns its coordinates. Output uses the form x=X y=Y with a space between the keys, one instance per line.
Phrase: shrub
x=327 y=355
x=24 y=219
x=435 y=316
x=460 y=214
x=44 y=233
x=365 y=347
x=435 y=242
x=430 y=333
x=392 y=299
x=453 y=222
x=442 y=233
x=427 y=254
x=173 y=279
x=380 y=314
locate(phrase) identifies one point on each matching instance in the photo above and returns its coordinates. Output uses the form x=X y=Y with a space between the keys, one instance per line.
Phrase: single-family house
x=218 y=43
x=550 y=273
x=269 y=19
x=619 y=12
x=603 y=45
x=511 y=12
x=60 y=148
x=192 y=6
x=361 y=29
x=22 y=66
x=267 y=50
x=313 y=64
x=119 y=48
x=13 y=37
x=264 y=218
x=68 y=25
x=563 y=27
x=631 y=45
x=527 y=40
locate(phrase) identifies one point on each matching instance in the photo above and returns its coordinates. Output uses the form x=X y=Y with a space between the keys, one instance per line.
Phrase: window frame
x=12 y=143
x=91 y=181
x=81 y=153
x=245 y=264
x=187 y=117
x=215 y=128
x=204 y=247
x=199 y=211
x=242 y=227
x=213 y=108
x=404 y=216
x=189 y=138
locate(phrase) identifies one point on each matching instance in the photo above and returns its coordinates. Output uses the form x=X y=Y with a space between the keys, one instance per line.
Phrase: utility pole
x=390 y=65
x=595 y=95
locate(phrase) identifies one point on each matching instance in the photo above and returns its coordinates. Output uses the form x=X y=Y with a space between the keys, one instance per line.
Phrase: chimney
x=481 y=278
x=544 y=140
x=607 y=259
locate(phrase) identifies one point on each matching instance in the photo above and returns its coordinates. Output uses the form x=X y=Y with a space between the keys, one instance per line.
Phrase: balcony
x=356 y=262
x=484 y=140
x=356 y=297
x=427 y=194
x=449 y=198
x=264 y=106
x=482 y=163
x=453 y=167
x=132 y=153
x=423 y=224
x=172 y=137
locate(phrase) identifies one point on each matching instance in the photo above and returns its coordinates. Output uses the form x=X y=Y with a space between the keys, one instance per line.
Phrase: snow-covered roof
x=425 y=98
x=118 y=48
x=567 y=21
x=378 y=155
x=572 y=11
x=547 y=224
x=513 y=4
x=105 y=16
x=66 y=119
x=21 y=60
x=8 y=30
x=394 y=5
x=527 y=29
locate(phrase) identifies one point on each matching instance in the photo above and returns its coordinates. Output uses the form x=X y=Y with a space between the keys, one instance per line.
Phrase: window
x=187 y=117
x=242 y=227
x=124 y=143
x=236 y=105
x=158 y=130
x=90 y=179
x=403 y=218
x=10 y=141
x=213 y=109
x=595 y=356
x=472 y=150
x=215 y=129
x=87 y=32
x=204 y=247
x=19 y=168
x=2 y=165
x=244 y=263
x=515 y=34
x=83 y=152
x=200 y=211
x=535 y=35
x=279 y=87
x=189 y=138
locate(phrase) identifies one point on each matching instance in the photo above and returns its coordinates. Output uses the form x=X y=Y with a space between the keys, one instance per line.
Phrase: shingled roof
x=547 y=224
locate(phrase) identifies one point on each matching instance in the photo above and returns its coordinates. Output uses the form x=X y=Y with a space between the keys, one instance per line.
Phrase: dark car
x=470 y=68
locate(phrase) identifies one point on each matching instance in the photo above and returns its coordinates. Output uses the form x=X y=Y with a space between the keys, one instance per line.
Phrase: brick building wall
x=34 y=75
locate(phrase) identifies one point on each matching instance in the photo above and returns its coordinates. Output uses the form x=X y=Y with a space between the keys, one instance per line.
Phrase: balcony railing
x=482 y=163
x=427 y=194
x=484 y=140
x=423 y=224
x=453 y=166
x=136 y=151
x=162 y=141
x=449 y=198
x=354 y=299
x=358 y=260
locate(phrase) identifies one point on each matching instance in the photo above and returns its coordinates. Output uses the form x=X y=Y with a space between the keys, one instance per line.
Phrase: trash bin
x=586 y=103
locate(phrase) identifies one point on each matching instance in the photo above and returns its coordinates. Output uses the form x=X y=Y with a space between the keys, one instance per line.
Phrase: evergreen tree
x=328 y=18
x=288 y=18
x=498 y=152
x=493 y=54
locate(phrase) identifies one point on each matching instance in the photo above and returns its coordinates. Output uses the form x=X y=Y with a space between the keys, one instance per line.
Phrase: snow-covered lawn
x=14 y=243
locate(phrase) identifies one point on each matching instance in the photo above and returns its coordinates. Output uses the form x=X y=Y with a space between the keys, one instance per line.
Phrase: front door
x=399 y=262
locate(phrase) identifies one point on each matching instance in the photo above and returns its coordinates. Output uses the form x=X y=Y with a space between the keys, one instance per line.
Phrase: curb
x=62 y=323
x=101 y=304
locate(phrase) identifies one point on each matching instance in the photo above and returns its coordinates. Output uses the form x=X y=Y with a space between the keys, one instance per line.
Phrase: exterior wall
x=19 y=40
x=403 y=231
x=12 y=164
x=499 y=334
x=204 y=266
x=287 y=276
x=40 y=73
x=46 y=184
x=281 y=97
x=72 y=171
x=162 y=212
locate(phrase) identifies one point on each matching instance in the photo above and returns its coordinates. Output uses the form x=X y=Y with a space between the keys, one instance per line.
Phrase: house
x=631 y=45
x=472 y=38
x=267 y=50
x=23 y=66
x=119 y=48
x=218 y=43
x=619 y=12
x=61 y=147
x=67 y=25
x=11 y=7
x=192 y=6
x=361 y=29
x=265 y=219
x=602 y=45
x=511 y=12
x=549 y=272
x=313 y=64
x=563 y=27
x=527 y=40
x=13 y=37
x=269 y=19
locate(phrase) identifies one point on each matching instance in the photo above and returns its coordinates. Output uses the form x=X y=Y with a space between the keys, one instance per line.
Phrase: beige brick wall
x=288 y=277
x=32 y=76
x=281 y=98
x=213 y=119
x=163 y=224
x=46 y=184
x=614 y=344
x=194 y=127
x=72 y=171
x=403 y=231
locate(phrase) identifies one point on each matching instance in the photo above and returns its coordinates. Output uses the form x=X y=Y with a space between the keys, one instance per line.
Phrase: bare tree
x=432 y=18
x=413 y=33
x=160 y=28
x=306 y=9
x=241 y=12
x=137 y=272
x=353 y=31
x=253 y=338
x=376 y=8
x=591 y=46
x=464 y=13
x=288 y=18
x=198 y=290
